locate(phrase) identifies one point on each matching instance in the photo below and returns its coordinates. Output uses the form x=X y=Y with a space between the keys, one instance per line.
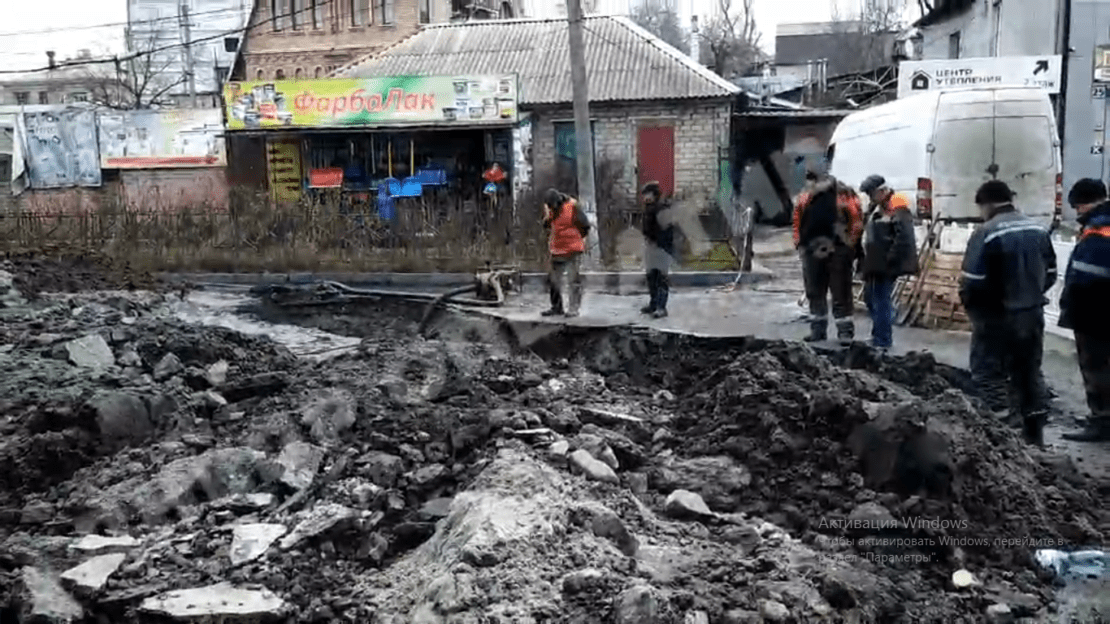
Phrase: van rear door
x=1026 y=153
x=962 y=152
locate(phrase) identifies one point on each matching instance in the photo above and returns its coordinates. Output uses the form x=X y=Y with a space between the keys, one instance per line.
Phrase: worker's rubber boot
x=551 y=312
x=845 y=331
x=1033 y=428
x=818 y=331
x=1093 y=431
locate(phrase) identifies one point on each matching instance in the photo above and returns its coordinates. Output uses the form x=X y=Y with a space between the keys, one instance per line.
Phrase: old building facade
x=979 y=28
x=295 y=39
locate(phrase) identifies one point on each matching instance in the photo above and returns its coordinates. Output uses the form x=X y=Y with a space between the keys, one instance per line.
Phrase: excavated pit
x=524 y=472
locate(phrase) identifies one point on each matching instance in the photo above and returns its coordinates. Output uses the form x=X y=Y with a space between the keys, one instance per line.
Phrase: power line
x=47 y=31
x=153 y=51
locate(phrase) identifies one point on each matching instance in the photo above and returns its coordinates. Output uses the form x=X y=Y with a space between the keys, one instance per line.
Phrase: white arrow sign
x=1042 y=72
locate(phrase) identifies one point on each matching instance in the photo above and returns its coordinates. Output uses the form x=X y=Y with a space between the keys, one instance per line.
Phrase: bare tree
x=660 y=19
x=865 y=39
x=731 y=40
x=142 y=80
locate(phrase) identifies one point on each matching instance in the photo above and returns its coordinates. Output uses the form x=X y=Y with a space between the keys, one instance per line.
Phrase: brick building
x=658 y=114
x=294 y=39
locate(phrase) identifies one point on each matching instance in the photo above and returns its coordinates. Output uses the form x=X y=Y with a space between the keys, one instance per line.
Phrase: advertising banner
x=370 y=102
x=167 y=138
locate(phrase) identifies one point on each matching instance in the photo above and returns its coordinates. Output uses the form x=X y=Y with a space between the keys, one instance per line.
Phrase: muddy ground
x=601 y=476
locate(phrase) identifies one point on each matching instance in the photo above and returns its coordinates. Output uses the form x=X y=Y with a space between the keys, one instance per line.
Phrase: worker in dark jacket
x=659 y=248
x=827 y=226
x=1008 y=267
x=890 y=251
x=1083 y=304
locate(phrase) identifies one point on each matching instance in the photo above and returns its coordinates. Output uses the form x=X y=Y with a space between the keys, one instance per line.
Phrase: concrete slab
x=222 y=602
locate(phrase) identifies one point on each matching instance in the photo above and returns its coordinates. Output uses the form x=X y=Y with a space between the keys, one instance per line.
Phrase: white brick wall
x=700 y=129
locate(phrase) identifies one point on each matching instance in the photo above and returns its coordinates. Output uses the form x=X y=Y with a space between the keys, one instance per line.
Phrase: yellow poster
x=283 y=159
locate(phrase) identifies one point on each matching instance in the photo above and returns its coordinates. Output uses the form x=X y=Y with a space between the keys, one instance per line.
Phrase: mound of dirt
x=36 y=273
x=629 y=477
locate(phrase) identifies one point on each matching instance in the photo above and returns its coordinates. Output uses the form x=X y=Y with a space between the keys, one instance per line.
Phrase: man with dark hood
x=1008 y=267
x=659 y=247
x=567 y=226
x=1084 y=302
x=827 y=225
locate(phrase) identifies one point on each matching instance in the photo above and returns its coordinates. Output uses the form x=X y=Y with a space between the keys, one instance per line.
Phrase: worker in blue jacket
x=1083 y=304
x=1008 y=267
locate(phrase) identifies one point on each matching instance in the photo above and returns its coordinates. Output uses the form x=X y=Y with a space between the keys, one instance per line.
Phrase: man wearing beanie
x=1008 y=267
x=1083 y=304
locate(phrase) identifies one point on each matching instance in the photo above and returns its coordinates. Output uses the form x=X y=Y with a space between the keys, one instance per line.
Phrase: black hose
x=438 y=302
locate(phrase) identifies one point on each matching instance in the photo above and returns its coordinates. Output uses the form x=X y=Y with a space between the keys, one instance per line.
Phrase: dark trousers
x=659 y=288
x=1006 y=357
x=831 y=275
x=879 y=295
x=1094 y=362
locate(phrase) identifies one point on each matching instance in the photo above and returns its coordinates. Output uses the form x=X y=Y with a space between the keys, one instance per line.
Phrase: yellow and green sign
x=396 y=101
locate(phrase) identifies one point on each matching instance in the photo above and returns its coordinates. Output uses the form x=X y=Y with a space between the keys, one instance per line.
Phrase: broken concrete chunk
x=696 y=617
x=598 y=448
x=582 y=580
x=683 y=505
x=592 y=468
x=251 y=541
x=607 y=418
x=436 y=508
x=169 y=366
x=383 y=469
x=871 y=517
x=606 y=524
x=121 y=417
x=773 y=611
x=320 y=520
x=90 y=577
x=92 y=351
x=100 y=544
x=38 y=512
x=131 y=359
x=41 y=599
x=300 y=461
x=223 y=602
x=999 y=614
x=429 y=474
x=246 y=503
x=217 y=374
x=638 y=605
x=330 y=415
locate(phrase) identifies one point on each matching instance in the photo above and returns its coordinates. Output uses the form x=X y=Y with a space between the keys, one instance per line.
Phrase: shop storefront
x=383 y=147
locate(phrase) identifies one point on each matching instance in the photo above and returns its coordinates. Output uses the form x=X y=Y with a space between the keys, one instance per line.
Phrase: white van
x=940 y=146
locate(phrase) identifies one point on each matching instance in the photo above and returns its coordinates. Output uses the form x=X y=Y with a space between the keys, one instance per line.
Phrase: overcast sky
x=31 y=27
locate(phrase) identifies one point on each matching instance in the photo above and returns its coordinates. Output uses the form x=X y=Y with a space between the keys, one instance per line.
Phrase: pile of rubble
x=161 y=472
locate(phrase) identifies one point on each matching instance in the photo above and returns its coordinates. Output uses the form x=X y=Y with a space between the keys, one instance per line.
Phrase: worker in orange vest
x=567 y=226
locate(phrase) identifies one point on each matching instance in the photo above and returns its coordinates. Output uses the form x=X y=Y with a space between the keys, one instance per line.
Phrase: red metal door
x=655 y=157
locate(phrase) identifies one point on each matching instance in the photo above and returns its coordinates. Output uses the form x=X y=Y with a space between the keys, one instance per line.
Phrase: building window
x=425 y=11
x=22 y=97
x=80 y=96
x=277 y=14
x=44 y=97
x=317 y=13
x=222 y=74
x=279 y=74
x=954 y=45
x=261 y=75
x=360 y=12
x=231 y=44
x=296 y=16
x=379 y=11
x=298 y=74
x=566 y=153
x=319 y=71
x=388 y=18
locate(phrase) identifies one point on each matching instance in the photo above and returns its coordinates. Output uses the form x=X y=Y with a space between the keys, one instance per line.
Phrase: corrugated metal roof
x=624 y=62
x=796 y=114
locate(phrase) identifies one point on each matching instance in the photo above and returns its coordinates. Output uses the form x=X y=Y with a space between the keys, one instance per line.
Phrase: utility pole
x=183 y=14
x=583 y=136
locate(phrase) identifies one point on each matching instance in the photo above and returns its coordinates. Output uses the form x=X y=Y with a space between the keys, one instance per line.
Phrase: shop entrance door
x=655 y=157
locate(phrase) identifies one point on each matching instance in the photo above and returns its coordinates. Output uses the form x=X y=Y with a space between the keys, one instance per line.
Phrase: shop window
x=296 y=14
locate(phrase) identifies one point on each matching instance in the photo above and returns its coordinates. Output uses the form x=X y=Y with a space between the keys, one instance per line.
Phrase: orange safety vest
x=565 y=238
